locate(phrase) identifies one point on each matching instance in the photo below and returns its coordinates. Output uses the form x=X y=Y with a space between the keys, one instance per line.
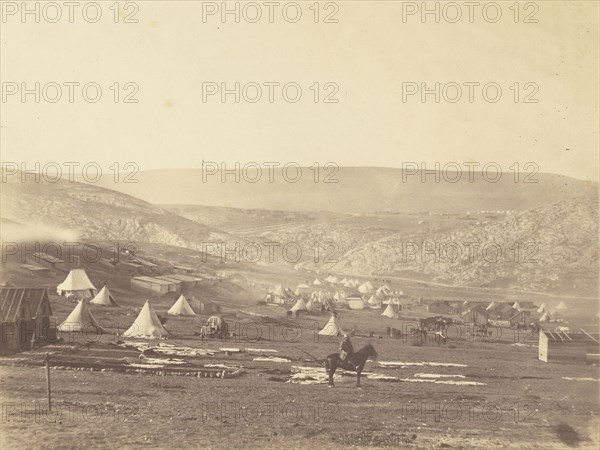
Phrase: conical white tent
x=369 y=285
x=181 y=308
x=374 y=301
x=317 y=282
x=104 y=298
x=389 y=312
x=339 y=297
x=80 y=319
x=517 y=306
x=277 y=291
x=348 y=284
x=365 y=289
x=146 y=325
x=331 y=328
x=383 y=292
x=299 y=306
x=545 y=317
x=542 y=309
x=344 y=280
x=561 y=306
x=77 y=284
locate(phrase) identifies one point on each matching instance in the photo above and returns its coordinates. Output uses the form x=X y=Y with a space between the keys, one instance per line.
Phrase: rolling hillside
x=556 y=241
x=552 y=247
x=71 y=211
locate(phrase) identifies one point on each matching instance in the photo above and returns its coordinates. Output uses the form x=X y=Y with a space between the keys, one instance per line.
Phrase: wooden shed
x=205 y=307
x=25 y=318
x=522 y=317
x=441 y=307
x=151 y=284
x=566 y=347
x=477 y=315
x=174 y=284
x=48 y=260
x=186 y=280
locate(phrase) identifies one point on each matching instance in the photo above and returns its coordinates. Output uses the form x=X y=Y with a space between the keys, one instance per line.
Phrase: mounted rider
x=346 y=349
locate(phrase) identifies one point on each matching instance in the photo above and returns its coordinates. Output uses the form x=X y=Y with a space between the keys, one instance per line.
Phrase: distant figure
x=346 y=349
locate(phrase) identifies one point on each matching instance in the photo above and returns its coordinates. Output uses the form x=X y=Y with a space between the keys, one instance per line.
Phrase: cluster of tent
x=309 y=306
x=314 y=298
x=146 y=325
x=545 y=314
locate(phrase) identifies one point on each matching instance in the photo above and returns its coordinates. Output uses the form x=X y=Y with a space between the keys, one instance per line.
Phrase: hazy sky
x=368 y=55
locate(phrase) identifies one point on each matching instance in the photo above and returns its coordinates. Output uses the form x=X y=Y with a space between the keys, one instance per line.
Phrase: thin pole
x=48 y=381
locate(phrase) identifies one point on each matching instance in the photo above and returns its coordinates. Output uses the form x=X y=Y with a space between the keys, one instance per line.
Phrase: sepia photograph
x=299 y=224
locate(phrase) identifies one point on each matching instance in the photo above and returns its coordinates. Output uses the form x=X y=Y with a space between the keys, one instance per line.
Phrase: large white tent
x=147 y=325
x=181 y=308
x=317 y=282
x=80 y=319
x=339 y=297
x=299 y=306
x=77 y=284
x=331 y=328
x=355 y=303
x=561 y=306
x=365 y=289
x=104 y=298
x=311 y=305
x=383 y=291
x=542 y=309
x=277 y=291
x=390 y=312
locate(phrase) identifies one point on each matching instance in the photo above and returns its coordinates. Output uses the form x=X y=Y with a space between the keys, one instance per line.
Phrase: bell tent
x=181 y=308
x=76 y=284
x=389 y=312
x=561 y=306
x=299 y=306
x=104 y=298
x=80 y=319
x=147 y=325
x=331 y=328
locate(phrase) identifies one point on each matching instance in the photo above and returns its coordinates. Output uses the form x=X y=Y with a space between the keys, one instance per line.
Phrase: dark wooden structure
x=24 y=318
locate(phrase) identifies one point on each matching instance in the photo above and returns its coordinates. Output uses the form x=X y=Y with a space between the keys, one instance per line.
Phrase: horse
x=359 y=359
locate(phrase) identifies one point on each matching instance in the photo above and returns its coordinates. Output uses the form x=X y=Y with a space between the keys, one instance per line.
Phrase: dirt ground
x=511 y=398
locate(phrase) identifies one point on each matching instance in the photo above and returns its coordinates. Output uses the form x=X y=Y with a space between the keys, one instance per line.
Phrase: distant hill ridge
x=357 y=190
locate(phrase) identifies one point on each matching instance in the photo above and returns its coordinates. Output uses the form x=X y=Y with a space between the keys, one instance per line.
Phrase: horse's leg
x=330 y=366
x=358 y=372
